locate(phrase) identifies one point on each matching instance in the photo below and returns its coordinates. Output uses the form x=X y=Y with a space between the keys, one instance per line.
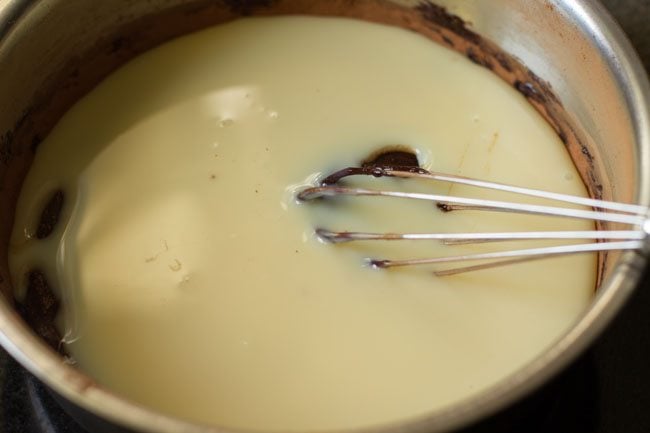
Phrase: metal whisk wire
x=606 y=211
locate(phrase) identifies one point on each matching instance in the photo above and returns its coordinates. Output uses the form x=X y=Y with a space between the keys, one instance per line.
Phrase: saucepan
x=567 y=57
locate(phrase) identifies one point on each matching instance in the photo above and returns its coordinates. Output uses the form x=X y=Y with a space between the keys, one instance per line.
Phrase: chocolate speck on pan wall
x=439 y=16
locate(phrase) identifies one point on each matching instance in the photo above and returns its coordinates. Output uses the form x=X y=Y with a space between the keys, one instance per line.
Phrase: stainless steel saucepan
x=567 y=57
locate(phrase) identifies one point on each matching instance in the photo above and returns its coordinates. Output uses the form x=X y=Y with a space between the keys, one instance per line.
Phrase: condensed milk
x=191 y=280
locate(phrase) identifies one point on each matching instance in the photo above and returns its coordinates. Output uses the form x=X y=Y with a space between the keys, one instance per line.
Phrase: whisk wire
x=606 y=211
x=475 y=203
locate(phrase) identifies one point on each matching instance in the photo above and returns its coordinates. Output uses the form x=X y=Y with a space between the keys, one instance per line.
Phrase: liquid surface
x=192 y=281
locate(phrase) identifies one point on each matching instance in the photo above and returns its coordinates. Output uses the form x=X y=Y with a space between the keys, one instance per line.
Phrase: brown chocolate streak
x=377 y=164
x=50 y=215
x=40 y=308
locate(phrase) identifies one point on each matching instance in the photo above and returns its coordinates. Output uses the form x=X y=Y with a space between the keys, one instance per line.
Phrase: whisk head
x=633 y=216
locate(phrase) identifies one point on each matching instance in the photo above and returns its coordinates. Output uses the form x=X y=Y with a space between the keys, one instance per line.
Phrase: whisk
x=635 y=216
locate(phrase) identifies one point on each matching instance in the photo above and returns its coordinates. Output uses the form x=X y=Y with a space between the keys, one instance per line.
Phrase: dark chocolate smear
x=36 y=141
x=397 y=158
x=503 y=61
x=586 y=153
x=50 y=215
x=247 y=7
x=445 y=207
x=530 y=91
x=40 y=308
x=439 y=16
x=478 y=59
x=392 y=157
x=117 y=44
x=5 y=146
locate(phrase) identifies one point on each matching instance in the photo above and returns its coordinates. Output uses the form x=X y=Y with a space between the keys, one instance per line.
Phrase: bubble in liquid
x=273 y=115
x=226 y=122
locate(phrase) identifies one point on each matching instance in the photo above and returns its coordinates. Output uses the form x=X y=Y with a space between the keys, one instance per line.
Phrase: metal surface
x=628 y=214
x=573 y=45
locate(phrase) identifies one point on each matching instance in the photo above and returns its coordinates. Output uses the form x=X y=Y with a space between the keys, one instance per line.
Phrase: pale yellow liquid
x=192 y=282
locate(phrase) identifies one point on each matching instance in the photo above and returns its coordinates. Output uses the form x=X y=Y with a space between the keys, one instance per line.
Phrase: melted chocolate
x=439 y=16
x=392 y=157
x=445 y=207
x=50 y=215
x=5 y=146
x=247 y=7
x=40 y=308
x=380 y=164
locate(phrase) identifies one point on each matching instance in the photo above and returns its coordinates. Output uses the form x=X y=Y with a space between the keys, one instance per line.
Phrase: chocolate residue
x=398 y=156
x=335 y=177
x=379 y=264
x=36 y=141
x=5 y=146
x=440 y=17
x=448 y=41
x=503 y=61
x=24 y=117
x=598 y=187
x=40 y=308
x=50 y=215
x=545 y=89
x=445 y=207
x=379 y=164
x=530 y=91
x=441 y=26
x=247 y=7
x=117 y=44
x=478 y=59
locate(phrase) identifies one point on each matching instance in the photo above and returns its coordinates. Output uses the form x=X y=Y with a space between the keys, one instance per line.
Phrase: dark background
x=607 y=390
